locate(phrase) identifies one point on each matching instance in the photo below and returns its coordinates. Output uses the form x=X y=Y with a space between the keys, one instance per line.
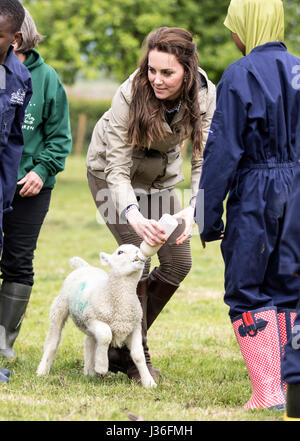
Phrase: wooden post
x=82 y=120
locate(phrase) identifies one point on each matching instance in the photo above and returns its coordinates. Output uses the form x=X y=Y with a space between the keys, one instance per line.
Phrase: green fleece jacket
x=46 y=128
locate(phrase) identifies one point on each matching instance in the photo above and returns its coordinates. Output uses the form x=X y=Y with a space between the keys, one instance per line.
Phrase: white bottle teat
x=169 y=224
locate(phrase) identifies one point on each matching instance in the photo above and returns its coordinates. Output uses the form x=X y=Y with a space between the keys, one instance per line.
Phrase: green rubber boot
x=14 y=298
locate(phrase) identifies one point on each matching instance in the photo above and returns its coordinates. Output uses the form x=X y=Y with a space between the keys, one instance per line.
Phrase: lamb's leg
x=58 y=315
x=134 y=344
x=89 y=355
x=103 y=336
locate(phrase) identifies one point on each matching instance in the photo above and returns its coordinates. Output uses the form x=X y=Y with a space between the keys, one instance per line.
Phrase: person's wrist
x=131 y=207
x=132 y=211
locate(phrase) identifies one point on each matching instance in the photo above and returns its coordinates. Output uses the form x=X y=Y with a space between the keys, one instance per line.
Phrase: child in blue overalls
x=15 y=94
x=290 y=265
x=251 y=154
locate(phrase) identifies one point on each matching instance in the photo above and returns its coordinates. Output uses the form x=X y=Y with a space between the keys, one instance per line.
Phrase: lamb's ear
x=105 y=258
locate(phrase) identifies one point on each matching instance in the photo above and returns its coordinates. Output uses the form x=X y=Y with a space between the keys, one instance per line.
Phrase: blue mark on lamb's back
x=78 y=305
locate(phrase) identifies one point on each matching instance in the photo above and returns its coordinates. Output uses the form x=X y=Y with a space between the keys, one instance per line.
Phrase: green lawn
x=192 y=342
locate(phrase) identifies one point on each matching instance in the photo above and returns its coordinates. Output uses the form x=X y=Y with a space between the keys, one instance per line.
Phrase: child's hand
x=32 y=184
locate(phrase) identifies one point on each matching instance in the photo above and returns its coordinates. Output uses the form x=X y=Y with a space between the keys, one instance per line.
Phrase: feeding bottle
x=169 y=224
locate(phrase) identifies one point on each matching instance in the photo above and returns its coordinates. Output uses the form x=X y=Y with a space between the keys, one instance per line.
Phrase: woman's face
x=165 y=75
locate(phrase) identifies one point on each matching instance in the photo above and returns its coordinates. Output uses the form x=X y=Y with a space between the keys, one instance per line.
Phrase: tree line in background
x=83 y=37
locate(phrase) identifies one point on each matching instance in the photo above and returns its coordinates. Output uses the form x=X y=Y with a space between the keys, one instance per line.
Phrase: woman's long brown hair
x=146 y=111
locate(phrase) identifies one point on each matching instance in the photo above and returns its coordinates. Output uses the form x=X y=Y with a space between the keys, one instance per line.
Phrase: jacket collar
x=177 y=117
x=273 y=45
x=9 y=63
x=202 y=96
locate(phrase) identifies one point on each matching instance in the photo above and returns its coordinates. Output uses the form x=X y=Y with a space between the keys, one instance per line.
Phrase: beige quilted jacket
x=129 y=171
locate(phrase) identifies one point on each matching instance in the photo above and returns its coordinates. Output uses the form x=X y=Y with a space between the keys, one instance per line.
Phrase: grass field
x=192 y=342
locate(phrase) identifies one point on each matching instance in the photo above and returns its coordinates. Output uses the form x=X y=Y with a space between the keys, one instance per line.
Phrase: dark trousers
x=21 y=228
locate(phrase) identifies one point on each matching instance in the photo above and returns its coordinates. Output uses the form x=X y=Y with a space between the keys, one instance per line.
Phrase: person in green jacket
x=47 y=142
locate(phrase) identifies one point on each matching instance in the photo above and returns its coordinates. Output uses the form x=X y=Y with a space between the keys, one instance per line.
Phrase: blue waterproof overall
x=15 y=94
x=290 y=265
x=251 y=152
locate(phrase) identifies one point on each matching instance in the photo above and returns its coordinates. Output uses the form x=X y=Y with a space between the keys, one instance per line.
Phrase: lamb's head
x=124 y=261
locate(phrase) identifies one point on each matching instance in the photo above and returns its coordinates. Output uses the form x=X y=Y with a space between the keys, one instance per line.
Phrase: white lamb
x=105 y=307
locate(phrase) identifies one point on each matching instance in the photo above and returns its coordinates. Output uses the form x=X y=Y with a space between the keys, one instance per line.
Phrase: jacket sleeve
x=119 y=154
x=57 y=133
x=11 y=156
x=223 y=152
x=197 y=163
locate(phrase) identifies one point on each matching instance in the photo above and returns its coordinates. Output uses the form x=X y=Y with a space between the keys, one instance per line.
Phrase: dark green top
x=46 y=128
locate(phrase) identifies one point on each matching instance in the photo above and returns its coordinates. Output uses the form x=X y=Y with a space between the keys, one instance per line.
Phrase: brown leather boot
x=159 y=293
x=153 y=294
x=118 y=359
x=132 y=370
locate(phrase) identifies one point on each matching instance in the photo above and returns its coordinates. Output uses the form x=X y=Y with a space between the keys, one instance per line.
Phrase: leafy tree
x=85 y=36
x=82 y=37
x=292 y=27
